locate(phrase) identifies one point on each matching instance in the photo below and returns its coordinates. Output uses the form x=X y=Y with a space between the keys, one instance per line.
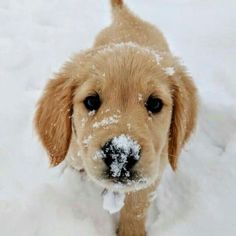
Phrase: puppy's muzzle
x=120 y=155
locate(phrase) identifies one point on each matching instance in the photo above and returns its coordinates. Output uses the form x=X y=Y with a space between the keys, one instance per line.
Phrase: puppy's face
x=122 y=99
x=122 y=115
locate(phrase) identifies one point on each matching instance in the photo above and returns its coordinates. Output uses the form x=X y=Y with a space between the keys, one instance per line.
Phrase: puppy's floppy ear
x=55 y=108
x=184 y=114
x=53 y=117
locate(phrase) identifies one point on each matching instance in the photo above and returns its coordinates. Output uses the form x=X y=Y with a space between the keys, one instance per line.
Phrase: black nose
x=120 y=154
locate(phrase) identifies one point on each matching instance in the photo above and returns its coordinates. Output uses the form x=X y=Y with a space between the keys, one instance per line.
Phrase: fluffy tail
x=117 y=3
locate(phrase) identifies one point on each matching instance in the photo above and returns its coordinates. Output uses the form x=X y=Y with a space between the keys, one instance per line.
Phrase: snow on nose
x=120 y=154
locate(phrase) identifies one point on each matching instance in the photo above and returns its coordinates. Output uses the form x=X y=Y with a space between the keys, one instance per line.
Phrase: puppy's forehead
x=129 y=70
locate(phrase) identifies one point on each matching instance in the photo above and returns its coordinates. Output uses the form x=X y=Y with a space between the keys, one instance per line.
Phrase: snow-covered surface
x=35 y=39
x=113 y=201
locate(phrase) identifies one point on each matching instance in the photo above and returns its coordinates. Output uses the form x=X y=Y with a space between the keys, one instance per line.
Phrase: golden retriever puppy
x=121 y=110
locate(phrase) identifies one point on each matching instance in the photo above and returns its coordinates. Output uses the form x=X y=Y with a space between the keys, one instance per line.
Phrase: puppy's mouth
x=123 y=183
x=124 y=177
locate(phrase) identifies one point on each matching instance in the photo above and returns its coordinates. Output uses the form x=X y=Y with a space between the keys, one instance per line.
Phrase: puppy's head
x=129 y=109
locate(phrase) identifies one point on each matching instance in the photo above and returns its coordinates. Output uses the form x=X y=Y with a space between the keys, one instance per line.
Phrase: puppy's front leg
x=133 y=214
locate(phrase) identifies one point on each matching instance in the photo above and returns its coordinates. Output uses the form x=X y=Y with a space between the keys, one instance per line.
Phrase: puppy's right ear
x=53 y=117
x=184 y=114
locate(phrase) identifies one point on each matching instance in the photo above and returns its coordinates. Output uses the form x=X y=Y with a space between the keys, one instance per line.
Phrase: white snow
x=92 y=113
x=87 y=140
x=127 y=144
x=117 y=166
x=140 y=97
x=112 y=47
x=106 y=121
x=36 y=37
x=169 y=71
x=98 y=155
x=113 y=201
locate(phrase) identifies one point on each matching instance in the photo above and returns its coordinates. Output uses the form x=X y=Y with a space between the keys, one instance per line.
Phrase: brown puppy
x=120 y=110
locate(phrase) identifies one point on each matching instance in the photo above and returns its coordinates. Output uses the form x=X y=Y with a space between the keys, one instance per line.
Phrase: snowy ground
x=36 y=36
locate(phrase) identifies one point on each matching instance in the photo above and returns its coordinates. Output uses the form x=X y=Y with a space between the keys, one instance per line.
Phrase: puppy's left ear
x=184 y=113
x=53 y=117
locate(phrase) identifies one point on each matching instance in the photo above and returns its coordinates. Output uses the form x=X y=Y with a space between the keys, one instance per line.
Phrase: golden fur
x=128 y=63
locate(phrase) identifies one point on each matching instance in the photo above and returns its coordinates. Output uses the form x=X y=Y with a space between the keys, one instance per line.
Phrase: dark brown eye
x=154 y=104
x=92 y=103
